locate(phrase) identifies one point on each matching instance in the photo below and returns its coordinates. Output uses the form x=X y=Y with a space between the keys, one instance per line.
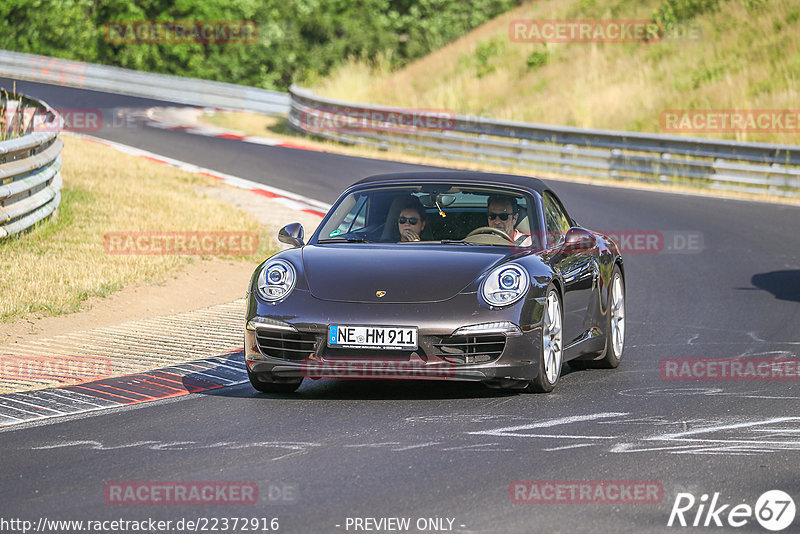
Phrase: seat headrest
x=523 y=223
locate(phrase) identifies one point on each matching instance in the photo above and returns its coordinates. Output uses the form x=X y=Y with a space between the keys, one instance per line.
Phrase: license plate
x=373 y=337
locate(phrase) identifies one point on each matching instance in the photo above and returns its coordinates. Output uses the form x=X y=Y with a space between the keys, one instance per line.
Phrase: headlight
x=505 y=285
x=276 y=280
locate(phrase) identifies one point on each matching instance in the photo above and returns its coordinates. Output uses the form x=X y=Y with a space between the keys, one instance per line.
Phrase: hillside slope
x=724 y=54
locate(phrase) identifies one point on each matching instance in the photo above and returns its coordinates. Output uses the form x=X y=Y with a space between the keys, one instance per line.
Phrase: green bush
x=672 y=12
x=484 y=53
x=297 y=40
x=537 y=58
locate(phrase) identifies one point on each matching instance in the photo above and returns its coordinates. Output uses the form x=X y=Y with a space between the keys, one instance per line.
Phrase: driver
x=503 y=213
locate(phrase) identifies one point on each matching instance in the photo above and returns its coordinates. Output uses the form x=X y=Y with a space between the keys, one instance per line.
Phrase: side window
x=555 y=219
x=356 y=219
x=351 y=216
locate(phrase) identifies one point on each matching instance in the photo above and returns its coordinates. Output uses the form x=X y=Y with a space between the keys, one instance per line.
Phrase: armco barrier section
x=191 y=91
x=30 y=181
x=717 y=164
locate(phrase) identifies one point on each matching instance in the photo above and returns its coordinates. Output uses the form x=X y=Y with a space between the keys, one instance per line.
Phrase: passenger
x=411 y=221
x=503 y=213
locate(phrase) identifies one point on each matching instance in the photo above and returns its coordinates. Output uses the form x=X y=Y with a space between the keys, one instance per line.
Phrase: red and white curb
x=152 y=119
x=168 y=382
x=292 y=200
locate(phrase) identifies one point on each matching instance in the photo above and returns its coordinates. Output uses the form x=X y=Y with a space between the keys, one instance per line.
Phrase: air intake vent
x=286 y=346
x=471 y=349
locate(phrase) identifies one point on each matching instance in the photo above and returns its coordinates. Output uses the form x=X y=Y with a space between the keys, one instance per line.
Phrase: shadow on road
x=784 y=285
x=344 y=389
x=385 y=389
x=341 y=389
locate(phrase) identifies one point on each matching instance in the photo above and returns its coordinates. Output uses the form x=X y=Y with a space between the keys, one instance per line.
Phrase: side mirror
x=291 y=234
x=579 y=239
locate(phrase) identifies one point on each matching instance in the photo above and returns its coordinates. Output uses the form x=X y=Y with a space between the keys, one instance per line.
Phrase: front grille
x=471 y=349
x=286 y=345
x=330 y=353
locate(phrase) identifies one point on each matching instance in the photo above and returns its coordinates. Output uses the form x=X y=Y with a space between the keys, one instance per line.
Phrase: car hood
x=407 y=273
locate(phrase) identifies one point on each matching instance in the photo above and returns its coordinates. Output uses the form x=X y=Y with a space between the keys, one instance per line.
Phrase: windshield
x=433 y=213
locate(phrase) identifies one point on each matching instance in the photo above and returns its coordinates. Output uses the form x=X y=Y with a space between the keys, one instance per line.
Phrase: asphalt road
x=339 y=449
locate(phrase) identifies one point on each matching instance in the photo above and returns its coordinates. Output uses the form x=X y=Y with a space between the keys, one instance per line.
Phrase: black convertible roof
x=483 y=178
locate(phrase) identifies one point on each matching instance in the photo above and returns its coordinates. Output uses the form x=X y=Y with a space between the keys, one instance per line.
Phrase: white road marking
x=576 y=446
x=374 y=445
x=409 y=447
x=477 y=447
x=691 y=442
x=681 y=436
x=514 y=431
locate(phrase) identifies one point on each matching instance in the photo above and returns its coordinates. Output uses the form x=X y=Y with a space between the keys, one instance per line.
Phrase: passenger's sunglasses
x=410 y=220
x=503 y=216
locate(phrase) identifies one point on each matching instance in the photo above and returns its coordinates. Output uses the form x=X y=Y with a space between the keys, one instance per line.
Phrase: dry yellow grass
x=746 y=58
x=52 y=270
x=250 y=123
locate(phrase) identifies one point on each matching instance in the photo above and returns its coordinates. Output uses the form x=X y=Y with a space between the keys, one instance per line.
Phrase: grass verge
x=63 y=262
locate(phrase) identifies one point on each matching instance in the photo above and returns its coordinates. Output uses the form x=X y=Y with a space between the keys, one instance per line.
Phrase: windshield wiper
x=344 y=240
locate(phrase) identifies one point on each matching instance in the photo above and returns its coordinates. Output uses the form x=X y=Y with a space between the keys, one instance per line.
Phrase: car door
x=577 y=268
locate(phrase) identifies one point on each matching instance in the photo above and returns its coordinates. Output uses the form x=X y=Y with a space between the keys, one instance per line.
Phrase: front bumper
x=287 y=341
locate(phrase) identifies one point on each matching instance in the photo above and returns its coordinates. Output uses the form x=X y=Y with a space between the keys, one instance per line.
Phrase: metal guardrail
x=30 y=181
x=716 y=164
x=191 y=91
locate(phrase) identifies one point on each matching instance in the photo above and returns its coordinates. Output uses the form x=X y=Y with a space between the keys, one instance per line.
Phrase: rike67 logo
x=774 y=510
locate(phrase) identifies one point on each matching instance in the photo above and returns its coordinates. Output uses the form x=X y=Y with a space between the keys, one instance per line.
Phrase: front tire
x=615 y=328
x=552 y=348
x=615 y=332
x=273 y=387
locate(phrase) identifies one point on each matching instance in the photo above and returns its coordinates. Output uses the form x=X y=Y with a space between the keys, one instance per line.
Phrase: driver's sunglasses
x=503 y=216
x=410 y=220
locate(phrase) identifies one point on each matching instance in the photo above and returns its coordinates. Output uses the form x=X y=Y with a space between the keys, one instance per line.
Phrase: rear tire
x=273 y=387
x=551 y=356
